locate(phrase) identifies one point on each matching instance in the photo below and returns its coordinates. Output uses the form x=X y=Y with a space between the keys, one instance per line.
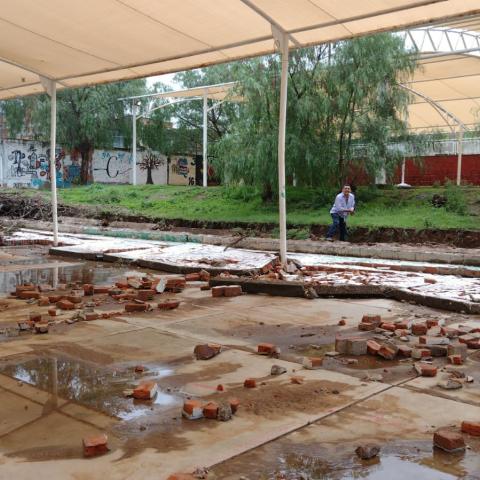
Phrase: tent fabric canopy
x=88 y=42
x=451 y=81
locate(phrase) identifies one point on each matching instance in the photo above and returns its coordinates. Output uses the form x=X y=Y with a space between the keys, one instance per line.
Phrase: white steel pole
x=459 y=157
x=53 y=167
x=403 y=171
x=205 y=139
x=134 y=143
x=281 y=150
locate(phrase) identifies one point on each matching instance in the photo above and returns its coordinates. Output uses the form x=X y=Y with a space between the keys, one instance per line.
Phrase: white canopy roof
x=78 y=43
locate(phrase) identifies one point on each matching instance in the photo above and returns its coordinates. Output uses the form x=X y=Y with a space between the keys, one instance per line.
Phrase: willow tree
x=86 y=118
x=338 y=96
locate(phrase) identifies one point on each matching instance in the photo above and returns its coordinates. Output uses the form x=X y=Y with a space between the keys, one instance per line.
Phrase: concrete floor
x=280 y=429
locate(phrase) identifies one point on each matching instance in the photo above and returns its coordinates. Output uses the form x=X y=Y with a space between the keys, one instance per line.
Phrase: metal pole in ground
x=53 y=166
x=459 y=155
x=134 y=143
x=205 y=139
x=283 y=41
x=403 y=171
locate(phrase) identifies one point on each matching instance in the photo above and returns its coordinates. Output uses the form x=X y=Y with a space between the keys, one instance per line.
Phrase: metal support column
x=205 y=139
x=51 y=89
x=282 y=39
x=134 y=143
x=459 y=155
x=403 y=172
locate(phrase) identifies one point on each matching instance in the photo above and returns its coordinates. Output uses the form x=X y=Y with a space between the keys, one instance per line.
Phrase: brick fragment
x=458 y=349
x=192 y=409
x=88 y=289
x=449 y=332
x=27 y=287
x=312 y=363
x=52 y=311
x=43 y=302
x=41 y=327
x=297 y=379
x=206 y=351
x=218 y=291
x=65 y=305
x=402 y=325
x=426 y=370
x=168 y=305
x=455 y=359
x=234 y=404
x=374 y=319
x=266 y=349
x=204 y=276
x=342 y=322
x=366 y=327
x=181 y=476
x=232 y=291
x=419 y=328
x=35 y=317
x=448 y=440
x=27 y=294
x=136 y=307
x=100 y=290
x=175 y=284
x=428 y=340
x=356 y=346
x=250 y=383
x=391 y=327
x=438 y=350
x=373 y=347
x=145 y=295
x=432 y=322
x=145 y=391
x=205 y=287
x=473 y=344
x=387 y=352
x=405 y=351
x=210 y=410
x=418 y=353
x=95 y=445
x=472 y=428
x=54 y=298
x=74 y=299
x=91 y=316
x=192 y=277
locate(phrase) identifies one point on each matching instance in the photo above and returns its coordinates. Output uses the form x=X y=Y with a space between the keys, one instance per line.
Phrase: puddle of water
x=286 y=461
x=92 y=386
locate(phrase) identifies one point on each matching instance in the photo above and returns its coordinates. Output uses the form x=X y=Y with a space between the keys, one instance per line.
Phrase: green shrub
x=456 y=201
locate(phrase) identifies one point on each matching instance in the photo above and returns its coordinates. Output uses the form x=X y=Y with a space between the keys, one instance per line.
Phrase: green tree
x=339 y=96
x=86 y=118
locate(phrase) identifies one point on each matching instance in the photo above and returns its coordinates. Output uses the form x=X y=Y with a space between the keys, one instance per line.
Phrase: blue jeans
x=338 y=222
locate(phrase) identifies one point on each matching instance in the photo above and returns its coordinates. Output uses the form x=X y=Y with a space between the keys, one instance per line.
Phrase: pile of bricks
x=196 y=409
x=226 y=291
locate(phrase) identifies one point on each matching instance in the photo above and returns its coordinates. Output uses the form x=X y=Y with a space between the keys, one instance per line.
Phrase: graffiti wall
x=27 y=164
x=181 y=170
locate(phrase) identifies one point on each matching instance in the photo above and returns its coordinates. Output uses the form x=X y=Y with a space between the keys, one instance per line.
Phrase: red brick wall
x=440 y=168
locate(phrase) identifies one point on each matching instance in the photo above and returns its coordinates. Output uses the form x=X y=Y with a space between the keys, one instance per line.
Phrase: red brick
x=455 y=359
x=139 y=369
x=432 y=323
x=421 y=353
x=41 y=327
x=136 y=307
x=375 y=319
x=52 y=311
x=234 y=404
x=387 y=352
x=448 y=440
x=472 y=428
x=28 y=287
x=404 y=350
x=232 y=291
x=88 y=289
x=419 y=328
x=35 y=317
x=431 y=270
x=122 y=285
x=210 y=410
x=206 y=351
x=27 y=294
x=91 y=316
x=145 y=391
x=145 y=295
x=402 y=325
x=181 y=476
x=205 y=287
x=426 y=370
x=65 y=305
x=74 y=299
x=266 y=348
x=218 y=291
x=125 y=296
x=192 y=409
x=168 y=305
x=54 y=298
x=391 y=327
x=373 y=347
x=312 y=363
x=95 y=445
x=449 y=332
x=250 y=383
x=474 y=344
x=101 y=290
x=366 y=327
x=175 y=284
x=192 y=277
x=341 y=322
x=220 y=388
x=43 y=302
x=204 y=276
